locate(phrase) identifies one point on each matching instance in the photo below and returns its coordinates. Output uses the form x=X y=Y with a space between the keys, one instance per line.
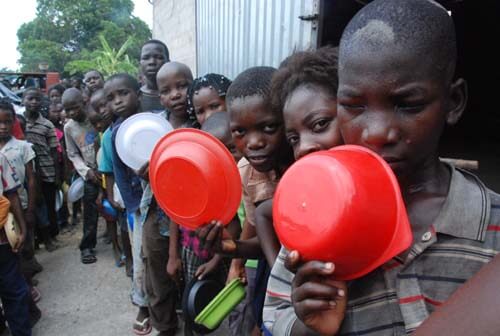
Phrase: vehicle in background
x=20 y=81
x=6 y=93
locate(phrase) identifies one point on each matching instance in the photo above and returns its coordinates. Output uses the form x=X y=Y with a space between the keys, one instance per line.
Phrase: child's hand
x=319 y=301
x=143 y=172
x=115 y=205
x=237 y=271
x=214 y=237
x=174 y=268
x=207 y=267
x=19 y=245
x=99 y=198
x=93 y=176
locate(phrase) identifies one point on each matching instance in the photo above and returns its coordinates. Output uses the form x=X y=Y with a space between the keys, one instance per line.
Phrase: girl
x=207 y=95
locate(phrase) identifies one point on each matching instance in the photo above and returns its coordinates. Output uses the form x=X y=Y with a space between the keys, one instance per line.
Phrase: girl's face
x=6 y=122
x=55 y=97
x=310 y=117
x=206 y=102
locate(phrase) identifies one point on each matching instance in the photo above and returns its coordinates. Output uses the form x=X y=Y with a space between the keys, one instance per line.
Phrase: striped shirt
x=41 y=133
x=398 y=296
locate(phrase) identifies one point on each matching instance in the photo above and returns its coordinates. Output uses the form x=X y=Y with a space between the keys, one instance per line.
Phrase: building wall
x=174 y=22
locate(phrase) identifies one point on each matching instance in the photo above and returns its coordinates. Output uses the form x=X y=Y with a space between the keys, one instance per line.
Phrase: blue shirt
x=127 y=181
x=106 y=162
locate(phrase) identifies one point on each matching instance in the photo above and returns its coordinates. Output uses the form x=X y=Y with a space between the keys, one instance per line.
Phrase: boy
x=154 y=54
x=396 y=94
x=79 y=136
x=14 y=291
x=105 y=166
x=41 y=133
x=122 y=94
x=160 y=286
x=93 y=81
x=258 y=134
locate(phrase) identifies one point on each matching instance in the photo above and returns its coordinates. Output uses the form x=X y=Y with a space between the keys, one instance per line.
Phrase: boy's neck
x=3 y=141
x=32 y=115
x=150 y=86
x=177 y=121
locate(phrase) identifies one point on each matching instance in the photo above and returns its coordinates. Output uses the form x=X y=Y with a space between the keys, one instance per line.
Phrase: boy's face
x=55 y=113
x=55 y=97
x=257 y=132
x=6 y=122
x=93 y=81
x=32 y=101
x=75 y=109
x=206 y=102
x=390 y=102
x=310 y=117
x=100 y=105
x=172 y=87
x=152 y=58
x=122 y=100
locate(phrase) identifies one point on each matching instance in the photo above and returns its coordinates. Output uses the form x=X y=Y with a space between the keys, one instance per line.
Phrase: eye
x=320 y=125
x=238 y=132
x=198 y=112
x=292 y=139
x=271 y=128
x=411 y=107
x=214 y=106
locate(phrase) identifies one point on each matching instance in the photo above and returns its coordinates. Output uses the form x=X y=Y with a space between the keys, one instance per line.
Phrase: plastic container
x=108 y=208
x=342 y=205
x=75 y=191
x=194 y=178
x=12 y=230
x=217 y=310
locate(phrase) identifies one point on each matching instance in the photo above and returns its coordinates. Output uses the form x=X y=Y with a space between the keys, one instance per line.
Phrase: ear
x=457 y=101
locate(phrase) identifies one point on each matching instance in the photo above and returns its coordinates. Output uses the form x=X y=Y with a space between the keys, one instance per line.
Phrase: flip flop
x=142 y=328
x=87 y=257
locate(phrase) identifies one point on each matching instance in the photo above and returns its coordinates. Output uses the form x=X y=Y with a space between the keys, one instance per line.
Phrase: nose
x=305 y=147
x=255 y=142
x=175 y=94
x=380 y=131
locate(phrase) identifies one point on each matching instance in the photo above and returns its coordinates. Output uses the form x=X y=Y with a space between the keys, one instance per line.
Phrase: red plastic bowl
x=194 y=178
x=342 y=205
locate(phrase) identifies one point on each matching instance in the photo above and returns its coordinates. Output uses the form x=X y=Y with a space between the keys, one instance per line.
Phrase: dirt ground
x=85 y=300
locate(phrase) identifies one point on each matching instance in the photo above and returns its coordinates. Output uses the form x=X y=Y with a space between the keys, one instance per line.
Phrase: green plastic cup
x=221 y=305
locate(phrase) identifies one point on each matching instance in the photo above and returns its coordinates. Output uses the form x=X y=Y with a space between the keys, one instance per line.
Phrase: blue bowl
x=108 y=209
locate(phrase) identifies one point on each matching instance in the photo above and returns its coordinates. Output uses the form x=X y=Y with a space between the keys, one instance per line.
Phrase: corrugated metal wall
x=233 y=35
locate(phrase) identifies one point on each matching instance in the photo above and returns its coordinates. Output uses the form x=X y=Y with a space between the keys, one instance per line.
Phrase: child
x=207 y=95
x=79 y=137
x=55 y=93
x=122 y=93
x=105 y=165
x=154 y=53
x=21 y=157
x=14 y=292
x=93 y=81
x=396 y=94
x=258 y=134
x=41 y=134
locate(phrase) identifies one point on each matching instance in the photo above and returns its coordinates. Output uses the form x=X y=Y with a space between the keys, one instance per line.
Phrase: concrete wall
x=174 y=22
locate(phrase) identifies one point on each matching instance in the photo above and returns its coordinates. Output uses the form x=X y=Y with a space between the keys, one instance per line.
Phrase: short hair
x=129 y=80
x=315 y=67
x=217 y=124
x=422 y=27
x=58 y=87
x=163 y=45
x=93 y=70
x=32 y=89
x=219 y=83
x=6 y=105
x=255 y=81
x=72 y=93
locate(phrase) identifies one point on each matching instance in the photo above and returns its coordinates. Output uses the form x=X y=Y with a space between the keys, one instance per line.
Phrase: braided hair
x=220 y=83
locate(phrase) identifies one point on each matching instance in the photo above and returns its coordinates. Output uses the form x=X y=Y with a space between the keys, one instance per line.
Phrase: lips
x=178 y=106
x=258 y=159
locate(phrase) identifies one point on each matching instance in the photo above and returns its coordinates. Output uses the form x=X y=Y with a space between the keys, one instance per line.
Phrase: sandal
x=88 y=257
x=142 y=328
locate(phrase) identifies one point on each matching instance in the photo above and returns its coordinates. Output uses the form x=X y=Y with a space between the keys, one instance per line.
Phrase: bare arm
x=265 y=231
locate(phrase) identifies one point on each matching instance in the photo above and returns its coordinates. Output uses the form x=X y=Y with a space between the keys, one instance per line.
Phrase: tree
x=66 y=30
x=107 y=60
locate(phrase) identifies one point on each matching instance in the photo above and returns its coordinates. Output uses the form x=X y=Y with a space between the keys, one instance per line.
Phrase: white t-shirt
x=19 y=153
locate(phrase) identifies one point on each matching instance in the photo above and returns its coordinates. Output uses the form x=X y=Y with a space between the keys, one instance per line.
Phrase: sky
x=25 y=12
